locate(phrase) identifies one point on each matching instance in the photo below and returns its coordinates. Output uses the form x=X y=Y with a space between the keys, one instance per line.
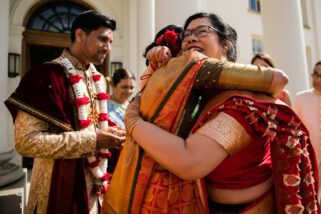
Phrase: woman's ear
x=227 y=45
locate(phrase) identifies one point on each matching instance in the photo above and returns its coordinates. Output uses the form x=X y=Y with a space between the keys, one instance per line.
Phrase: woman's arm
x=182 y=158
x=279 y=81
x=228 y=75
x=157 y=57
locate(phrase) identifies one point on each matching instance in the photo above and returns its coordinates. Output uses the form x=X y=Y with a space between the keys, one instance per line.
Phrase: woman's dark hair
x=89 y=21
x=168 y=36
x=317 y=63
x=265 y=57
x=120 y=74
x=227 y=34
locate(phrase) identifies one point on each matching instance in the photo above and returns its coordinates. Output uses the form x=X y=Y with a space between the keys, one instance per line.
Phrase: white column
x=8 y=171
x=316 y=7
x=176 y=12
x=146 y=30
x=284 y=39
x=4 y=38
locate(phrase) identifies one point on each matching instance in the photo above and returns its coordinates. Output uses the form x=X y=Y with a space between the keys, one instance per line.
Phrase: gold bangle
x=131 y=124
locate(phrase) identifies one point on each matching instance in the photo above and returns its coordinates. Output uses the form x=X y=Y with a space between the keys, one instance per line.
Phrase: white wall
x=234 y=12
x=176 y=12
x=245 y=22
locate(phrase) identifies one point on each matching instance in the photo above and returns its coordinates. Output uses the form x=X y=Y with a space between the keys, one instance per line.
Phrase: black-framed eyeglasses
x=199 y=32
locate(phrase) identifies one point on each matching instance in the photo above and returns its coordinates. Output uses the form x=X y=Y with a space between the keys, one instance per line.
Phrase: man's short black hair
x=89 y=21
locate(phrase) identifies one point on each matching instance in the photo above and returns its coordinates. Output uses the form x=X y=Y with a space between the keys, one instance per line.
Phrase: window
x=255 y=5
x=309 y=58
x=304 y=14
x=55 y=17
x=257 y=45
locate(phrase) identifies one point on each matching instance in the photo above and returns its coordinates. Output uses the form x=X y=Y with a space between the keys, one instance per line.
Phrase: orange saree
x=139 y=184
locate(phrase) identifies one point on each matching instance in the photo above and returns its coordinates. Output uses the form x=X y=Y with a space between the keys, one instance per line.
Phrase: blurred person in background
x=264 y=59
x=307 y=105
x=122 y=84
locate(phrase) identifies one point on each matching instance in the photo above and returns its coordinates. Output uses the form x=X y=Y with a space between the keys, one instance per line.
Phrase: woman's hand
x=110 y=138
x=279 y=81
x=158 y=56
x=132 y=116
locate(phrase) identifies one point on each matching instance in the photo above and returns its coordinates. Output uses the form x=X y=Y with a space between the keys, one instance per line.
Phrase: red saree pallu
x=294 y=166
x=139 y=184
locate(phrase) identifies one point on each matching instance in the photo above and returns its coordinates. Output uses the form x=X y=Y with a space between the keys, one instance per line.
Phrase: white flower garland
x=97 y=164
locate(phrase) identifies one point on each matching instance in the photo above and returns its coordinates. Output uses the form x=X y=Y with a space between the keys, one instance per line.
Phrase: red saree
x=295 y=176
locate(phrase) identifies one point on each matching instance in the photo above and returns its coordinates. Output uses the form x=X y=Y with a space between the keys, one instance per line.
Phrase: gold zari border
x=227 y=132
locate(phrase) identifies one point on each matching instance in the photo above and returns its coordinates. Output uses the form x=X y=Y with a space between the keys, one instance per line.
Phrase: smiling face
x=208 y=45
x=123 y=90
x=96 y=45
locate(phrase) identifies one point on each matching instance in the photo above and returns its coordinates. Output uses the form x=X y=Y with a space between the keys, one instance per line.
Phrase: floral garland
x=97 y=164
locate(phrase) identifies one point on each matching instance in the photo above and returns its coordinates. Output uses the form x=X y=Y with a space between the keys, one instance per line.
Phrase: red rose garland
x=97 y=164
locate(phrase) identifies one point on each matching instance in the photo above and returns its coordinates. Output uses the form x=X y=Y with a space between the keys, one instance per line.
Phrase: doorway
x=40 y=54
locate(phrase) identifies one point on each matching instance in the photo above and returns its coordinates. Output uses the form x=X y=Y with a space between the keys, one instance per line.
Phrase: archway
x=48 y=26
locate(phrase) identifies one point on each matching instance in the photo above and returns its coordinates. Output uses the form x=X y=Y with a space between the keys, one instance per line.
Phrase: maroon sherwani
x=46 y=128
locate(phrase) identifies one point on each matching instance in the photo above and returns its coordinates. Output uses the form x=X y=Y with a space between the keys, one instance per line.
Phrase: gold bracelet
x=131 y=124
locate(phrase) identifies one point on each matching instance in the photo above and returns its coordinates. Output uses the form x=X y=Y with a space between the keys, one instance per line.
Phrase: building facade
x=31 y=30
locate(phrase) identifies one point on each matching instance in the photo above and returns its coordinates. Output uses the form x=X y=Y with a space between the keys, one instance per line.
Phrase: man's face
x=316 y=78
x=96 y=45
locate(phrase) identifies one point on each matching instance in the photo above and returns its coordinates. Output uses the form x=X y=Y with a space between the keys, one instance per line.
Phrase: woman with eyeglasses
x=229 y=145
x=307 y=105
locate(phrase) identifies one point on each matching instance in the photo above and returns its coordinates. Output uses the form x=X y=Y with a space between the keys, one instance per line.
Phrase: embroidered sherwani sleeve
x=33 y=139
x=226 y=131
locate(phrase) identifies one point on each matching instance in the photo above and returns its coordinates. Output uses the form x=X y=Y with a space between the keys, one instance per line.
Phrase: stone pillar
x=9 y=172
x=146 y=30
x=316 y=5
x=283 y=35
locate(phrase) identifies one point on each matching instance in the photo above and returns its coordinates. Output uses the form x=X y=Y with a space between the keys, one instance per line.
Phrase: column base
x=9 y=172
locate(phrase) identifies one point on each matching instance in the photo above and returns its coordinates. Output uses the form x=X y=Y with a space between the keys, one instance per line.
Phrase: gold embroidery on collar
x=78 y=65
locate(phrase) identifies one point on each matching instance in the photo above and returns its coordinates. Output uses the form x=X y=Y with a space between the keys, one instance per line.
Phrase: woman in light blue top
x=122 y=86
